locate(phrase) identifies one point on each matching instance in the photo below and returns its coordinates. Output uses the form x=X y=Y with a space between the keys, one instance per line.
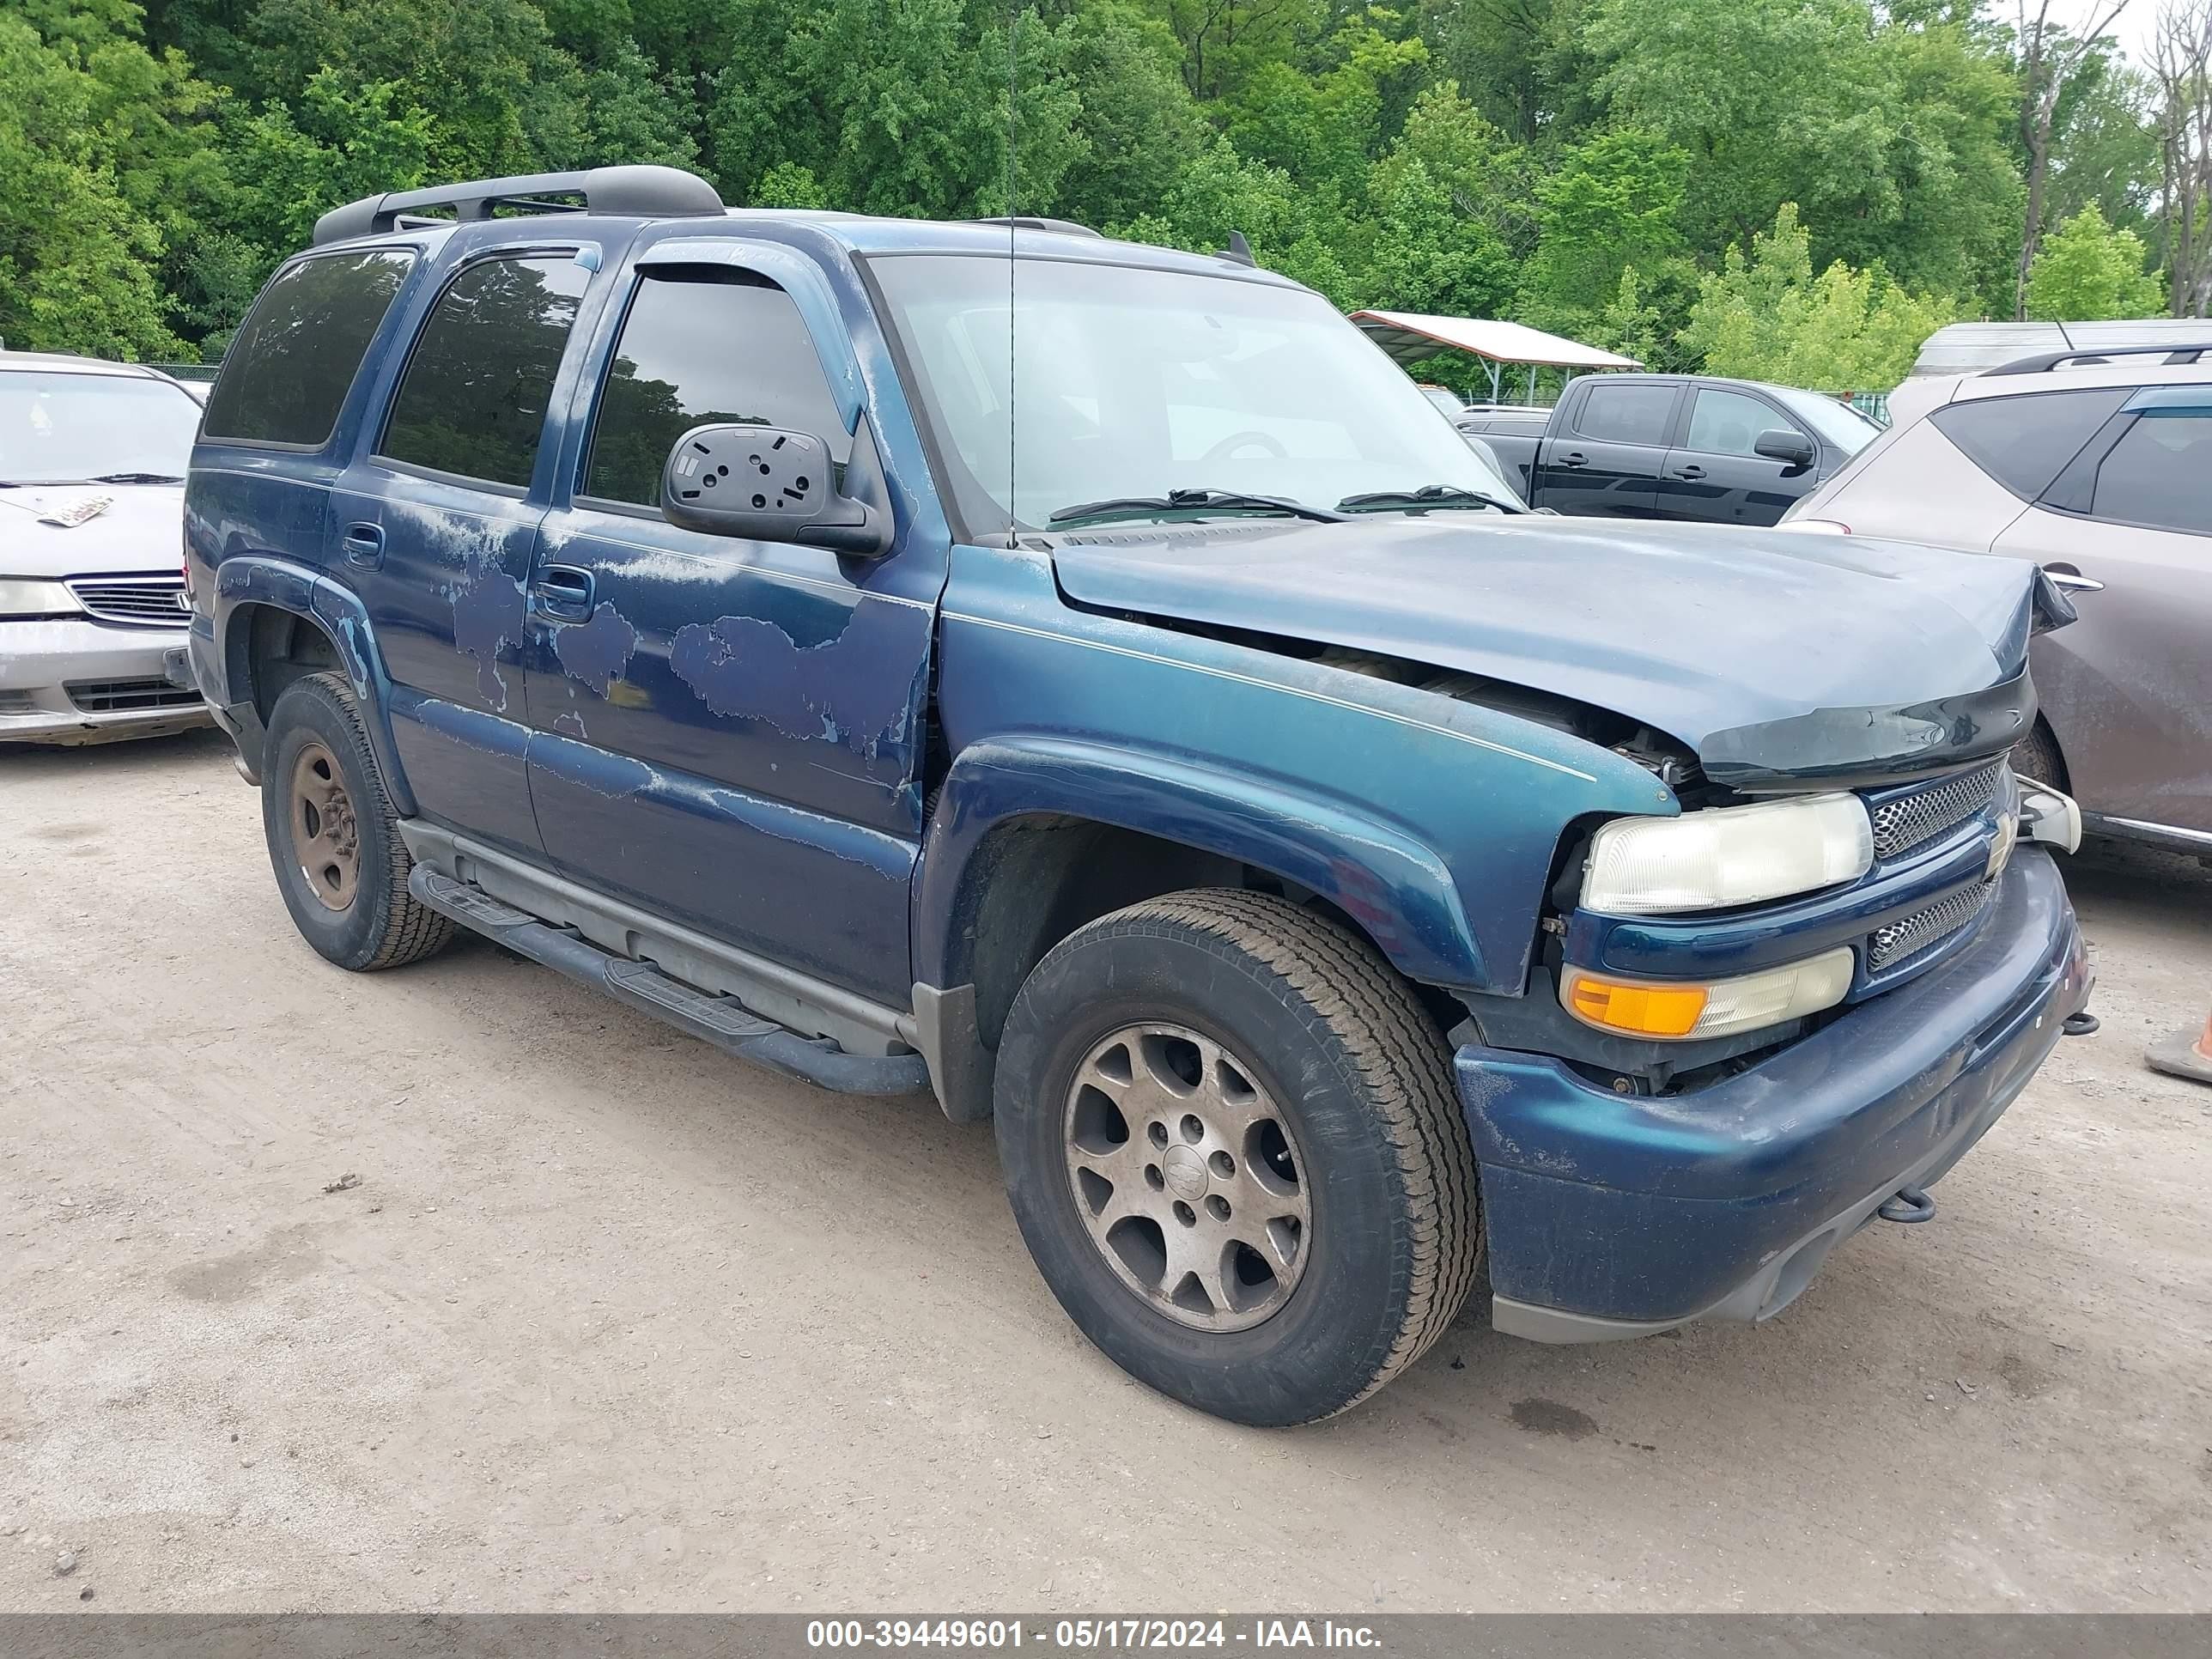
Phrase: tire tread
x=1399 y=1062
x=411 y=929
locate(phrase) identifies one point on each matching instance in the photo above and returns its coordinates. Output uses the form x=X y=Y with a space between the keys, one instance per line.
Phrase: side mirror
x=774 y=484
x=1780 y=445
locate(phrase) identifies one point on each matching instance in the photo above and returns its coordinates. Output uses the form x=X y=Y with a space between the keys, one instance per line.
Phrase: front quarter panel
x=1432 y=823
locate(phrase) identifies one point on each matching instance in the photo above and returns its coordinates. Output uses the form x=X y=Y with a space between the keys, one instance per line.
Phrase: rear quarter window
x=2156 y=474
x=2024 y=443
x=288 y=371
x=473 y=400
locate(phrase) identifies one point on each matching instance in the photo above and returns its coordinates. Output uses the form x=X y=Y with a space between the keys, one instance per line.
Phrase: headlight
x=1673 y=1011
x=1727 y=855
x=21 y=598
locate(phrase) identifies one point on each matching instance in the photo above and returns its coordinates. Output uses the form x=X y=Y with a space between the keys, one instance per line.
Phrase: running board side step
x=721 y=1020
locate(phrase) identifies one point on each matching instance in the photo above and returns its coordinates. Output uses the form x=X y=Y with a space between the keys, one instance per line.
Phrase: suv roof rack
x=2041 y=360
x=1029 y=221
x=644 y=193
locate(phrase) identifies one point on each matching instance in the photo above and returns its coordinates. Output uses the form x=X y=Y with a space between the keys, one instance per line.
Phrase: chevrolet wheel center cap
x=1185 y=1171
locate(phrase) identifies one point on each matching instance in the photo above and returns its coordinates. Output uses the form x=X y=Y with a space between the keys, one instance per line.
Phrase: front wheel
x=1231 y=1140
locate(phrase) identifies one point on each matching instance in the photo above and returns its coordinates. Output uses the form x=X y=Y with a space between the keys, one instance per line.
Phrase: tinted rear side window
x=2025 y=442
x=288 y=369
x=473 y=400
x=2157 y=473
x=695 y=351
x=1626 y=414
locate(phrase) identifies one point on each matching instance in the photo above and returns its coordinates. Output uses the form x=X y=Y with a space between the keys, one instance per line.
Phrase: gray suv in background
x=2098 y=467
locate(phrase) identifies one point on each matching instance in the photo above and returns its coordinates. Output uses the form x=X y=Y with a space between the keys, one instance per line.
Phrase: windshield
x=58 y=428
x=1128 y=383
x=1839 y=423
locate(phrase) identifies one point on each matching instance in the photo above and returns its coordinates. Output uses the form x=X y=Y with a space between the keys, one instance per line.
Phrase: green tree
x=1222 y=192
x=2106 y=146
x=1767 y=318
x=1138 y=125
x=1889 y=136
x=1428 y=256
x=900 y=107
x=2088 y=270
x=78 y=264
x=1522 y=62
x=1613 y=202
x=342 y=142
x=1324 y=129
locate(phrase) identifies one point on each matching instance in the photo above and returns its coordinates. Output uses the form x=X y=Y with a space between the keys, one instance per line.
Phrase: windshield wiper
x=1187 y=500
x=135 y=478
x=1406 y=500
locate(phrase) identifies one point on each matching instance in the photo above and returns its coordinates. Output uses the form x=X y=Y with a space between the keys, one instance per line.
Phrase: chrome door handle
x=2065 y=576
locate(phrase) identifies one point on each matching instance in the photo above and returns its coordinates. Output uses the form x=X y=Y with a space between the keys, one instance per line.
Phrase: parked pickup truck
x=1673 y=447
x=1321 y=873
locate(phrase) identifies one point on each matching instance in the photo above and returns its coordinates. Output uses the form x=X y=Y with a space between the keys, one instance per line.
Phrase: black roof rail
x=2043 y=360
x=1029 y=221
x=644 y=193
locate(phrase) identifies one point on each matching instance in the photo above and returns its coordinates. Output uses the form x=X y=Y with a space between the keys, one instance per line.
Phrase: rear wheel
x=333 y=838
x=1231 y=1140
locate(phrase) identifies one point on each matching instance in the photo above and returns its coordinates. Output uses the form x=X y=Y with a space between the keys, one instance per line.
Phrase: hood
x=140 y=528
x=1773 y=655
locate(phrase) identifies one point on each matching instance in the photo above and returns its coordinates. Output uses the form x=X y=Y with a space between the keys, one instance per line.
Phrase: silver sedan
x=92 y=592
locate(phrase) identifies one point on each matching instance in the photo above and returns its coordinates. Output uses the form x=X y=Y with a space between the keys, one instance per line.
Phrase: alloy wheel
x=1188 y=1177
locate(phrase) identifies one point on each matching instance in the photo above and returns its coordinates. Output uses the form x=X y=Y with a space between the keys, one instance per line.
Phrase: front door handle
x=364 y=544
x=564 y=591
x=1689 y=473
x=2066 y=576
x=1574 y=458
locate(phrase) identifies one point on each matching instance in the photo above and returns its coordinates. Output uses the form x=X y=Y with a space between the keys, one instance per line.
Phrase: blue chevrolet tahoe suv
x=1088 y=682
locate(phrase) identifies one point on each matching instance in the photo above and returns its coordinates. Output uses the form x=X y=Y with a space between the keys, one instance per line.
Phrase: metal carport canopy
x=1411 y=337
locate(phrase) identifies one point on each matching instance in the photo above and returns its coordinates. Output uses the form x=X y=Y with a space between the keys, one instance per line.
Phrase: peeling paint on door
x=852 y=688
x=488 y=613
x=596 y=652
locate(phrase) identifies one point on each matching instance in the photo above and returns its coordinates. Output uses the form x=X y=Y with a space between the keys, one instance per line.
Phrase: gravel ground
x=610 y=1322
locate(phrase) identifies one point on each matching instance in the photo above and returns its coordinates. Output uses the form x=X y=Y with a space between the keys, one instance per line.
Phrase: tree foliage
x=1765 y=316
x=1663 y=177
x=2087 y=268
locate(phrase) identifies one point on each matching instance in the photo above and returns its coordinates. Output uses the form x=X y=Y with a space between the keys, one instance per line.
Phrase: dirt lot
x=611 y=1322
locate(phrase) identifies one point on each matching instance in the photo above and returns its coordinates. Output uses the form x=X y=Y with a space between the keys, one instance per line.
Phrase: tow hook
x=2078 y=1024
x=1909 y=1206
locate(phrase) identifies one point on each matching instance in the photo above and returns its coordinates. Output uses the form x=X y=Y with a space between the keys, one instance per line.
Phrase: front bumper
x=1618 y=1215
x=67 y=680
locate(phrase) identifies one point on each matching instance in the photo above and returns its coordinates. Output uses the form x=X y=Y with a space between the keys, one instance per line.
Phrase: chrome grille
x=1910 y=935
x=1908 y=820
x=139 y=601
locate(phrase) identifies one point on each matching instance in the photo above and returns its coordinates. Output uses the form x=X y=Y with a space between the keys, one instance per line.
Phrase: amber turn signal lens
x=1659 y=1011
x=1670 y=1009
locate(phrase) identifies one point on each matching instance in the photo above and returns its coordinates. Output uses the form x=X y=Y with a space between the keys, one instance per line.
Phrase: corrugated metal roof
x=1411 y=337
